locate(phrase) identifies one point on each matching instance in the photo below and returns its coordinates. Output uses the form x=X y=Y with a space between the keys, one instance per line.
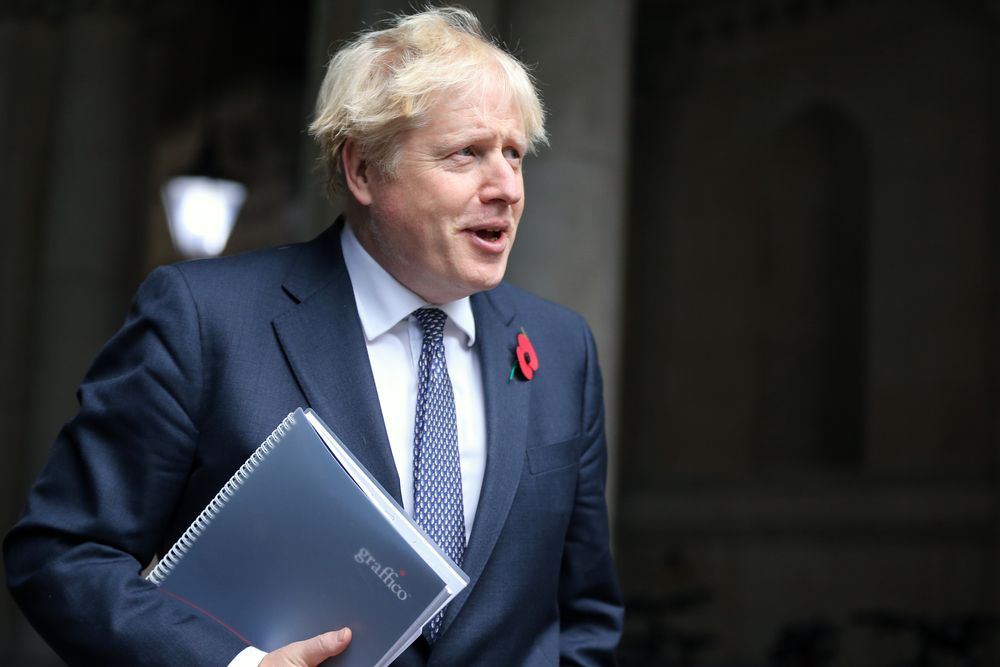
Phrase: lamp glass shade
x=201 y=212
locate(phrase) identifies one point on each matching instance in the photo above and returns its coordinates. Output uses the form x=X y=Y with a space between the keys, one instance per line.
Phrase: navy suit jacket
x=213 y=355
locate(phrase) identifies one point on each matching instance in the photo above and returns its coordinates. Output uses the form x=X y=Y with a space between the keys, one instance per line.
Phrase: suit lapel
x=324 y=343
x=506 y=422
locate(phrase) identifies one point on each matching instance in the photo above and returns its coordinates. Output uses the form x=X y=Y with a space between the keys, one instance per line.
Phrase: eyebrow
x=476 y=135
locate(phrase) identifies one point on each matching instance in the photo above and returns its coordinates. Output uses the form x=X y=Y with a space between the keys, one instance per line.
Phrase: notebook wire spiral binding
x=176 y=552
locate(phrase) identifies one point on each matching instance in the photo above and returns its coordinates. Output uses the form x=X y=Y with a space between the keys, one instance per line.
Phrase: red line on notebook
x=206 y=613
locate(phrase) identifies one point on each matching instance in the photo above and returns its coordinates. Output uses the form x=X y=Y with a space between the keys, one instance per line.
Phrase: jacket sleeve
x=98 y=512
x=591 y=611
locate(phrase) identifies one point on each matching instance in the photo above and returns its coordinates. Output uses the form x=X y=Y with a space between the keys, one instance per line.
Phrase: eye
x=465 y=152
x=512 y=153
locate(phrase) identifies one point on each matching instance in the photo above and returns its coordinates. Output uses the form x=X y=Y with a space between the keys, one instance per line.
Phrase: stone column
x=26 y=95
x=29 y=55
x=91 y=238
x=26 y=103
x=79 y=215
x=571 y=240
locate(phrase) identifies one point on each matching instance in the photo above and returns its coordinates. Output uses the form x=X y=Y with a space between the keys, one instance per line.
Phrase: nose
x=502 y=181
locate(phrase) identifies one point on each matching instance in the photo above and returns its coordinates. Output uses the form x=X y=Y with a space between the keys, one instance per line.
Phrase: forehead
x=486 y=105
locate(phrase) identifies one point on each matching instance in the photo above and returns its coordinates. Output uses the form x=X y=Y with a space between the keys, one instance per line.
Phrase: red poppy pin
x=527 y=358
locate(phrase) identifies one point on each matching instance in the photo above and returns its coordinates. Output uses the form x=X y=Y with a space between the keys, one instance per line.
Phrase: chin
x=479 y=278
x=488 y=283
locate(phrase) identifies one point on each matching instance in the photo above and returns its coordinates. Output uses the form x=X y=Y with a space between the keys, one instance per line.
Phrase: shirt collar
x=383 y=301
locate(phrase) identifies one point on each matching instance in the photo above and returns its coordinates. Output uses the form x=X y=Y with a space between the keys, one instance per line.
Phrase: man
x=426 y=125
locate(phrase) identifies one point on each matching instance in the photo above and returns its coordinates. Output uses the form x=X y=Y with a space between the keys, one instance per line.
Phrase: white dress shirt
x=393 y=338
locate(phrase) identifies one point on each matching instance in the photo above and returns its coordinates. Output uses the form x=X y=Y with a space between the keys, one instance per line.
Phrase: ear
x=356 y=172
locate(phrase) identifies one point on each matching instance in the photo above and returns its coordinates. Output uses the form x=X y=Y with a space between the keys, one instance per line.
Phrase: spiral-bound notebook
x=302 y=540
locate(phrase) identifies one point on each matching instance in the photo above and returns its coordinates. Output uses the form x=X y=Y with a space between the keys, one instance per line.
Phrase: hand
x=309 y=652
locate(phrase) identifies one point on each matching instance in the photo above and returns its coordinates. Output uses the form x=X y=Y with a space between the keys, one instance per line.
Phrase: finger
x=317 y=649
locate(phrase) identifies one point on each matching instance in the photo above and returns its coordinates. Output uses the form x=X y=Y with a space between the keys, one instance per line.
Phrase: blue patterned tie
x=437 y=477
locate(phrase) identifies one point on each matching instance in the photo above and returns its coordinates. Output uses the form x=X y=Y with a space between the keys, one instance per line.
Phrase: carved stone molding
x=59 y=10
x=690 y=25
x=694 y=25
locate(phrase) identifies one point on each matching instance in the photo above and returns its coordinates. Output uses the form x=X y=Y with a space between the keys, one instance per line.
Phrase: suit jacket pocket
x=548 y=458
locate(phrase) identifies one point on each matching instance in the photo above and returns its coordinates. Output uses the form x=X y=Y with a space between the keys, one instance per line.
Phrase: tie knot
x=431 y=321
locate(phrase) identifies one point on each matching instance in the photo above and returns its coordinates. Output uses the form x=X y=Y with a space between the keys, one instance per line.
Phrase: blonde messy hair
x=385 y=82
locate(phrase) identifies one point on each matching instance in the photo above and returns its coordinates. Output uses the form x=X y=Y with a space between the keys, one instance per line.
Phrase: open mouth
x=488 y=234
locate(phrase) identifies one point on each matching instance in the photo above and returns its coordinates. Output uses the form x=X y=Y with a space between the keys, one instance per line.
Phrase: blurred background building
x=779 y=216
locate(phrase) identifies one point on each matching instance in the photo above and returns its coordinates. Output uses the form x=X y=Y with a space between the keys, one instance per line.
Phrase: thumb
x=315 y=650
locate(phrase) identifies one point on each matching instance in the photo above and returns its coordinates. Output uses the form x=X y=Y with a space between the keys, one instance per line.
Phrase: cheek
x=517 y=209
x=403 y=216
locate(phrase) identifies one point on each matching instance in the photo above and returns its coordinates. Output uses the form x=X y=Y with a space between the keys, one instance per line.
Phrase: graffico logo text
x=386 y=574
